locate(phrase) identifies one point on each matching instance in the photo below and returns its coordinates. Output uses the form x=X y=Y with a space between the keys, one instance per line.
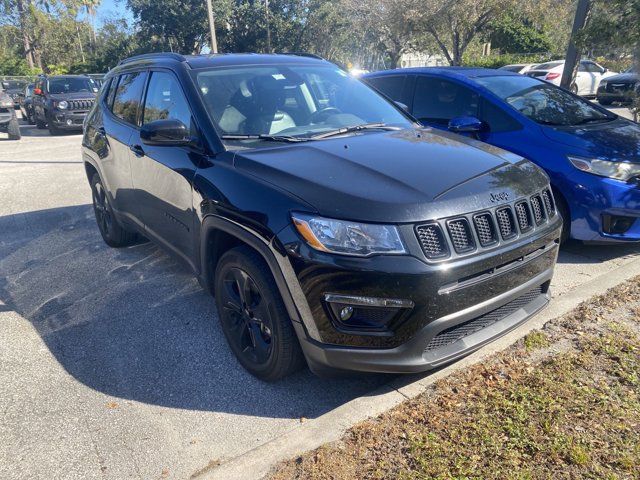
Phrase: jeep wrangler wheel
x=253 y=316
x=112 y=232
x=39 y=123
x=13 y=129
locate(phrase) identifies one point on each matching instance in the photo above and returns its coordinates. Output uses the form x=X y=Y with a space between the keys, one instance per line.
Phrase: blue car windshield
x=297 y=101
x=544 y=103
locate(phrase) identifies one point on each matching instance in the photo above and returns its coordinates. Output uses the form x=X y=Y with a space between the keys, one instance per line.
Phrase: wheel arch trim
x=278 y=263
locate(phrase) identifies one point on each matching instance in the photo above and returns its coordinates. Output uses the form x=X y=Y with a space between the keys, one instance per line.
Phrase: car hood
x=401 y=176
x=624 y=78
x=618 y=140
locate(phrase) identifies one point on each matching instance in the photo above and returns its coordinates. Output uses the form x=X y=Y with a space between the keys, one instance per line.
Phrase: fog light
x=617 y=224
x=346 y=313
x=69 y=122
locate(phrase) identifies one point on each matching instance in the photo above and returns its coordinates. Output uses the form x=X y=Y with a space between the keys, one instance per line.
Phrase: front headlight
x=618 y=170
x=6 y=102
x=348 y=238
x=62 y=105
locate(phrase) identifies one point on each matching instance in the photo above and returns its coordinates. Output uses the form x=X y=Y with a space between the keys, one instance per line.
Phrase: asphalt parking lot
x=112 y=363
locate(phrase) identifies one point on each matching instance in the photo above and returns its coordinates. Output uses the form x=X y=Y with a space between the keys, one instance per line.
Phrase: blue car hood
x=618 y=140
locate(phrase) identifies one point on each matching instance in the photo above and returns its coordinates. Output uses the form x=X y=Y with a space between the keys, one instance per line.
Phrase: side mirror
x=402 y=106
x=465 y=125
x=37 y=91
x=165 y=132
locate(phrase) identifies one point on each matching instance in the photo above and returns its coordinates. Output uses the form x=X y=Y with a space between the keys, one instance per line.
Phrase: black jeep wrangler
x=61 y=102
x=8 y=119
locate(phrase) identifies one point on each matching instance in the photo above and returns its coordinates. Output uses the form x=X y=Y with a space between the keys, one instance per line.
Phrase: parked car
x=519 y=67
x=13 y=88
x=328 y=223
x=587 y=80
x=26 y=103
x=61 y=102
x=622 y=88
x=591 y=155
x=8 y=119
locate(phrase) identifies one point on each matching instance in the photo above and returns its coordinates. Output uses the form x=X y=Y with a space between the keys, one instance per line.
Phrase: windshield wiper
x=354 y=128
x=270 y=138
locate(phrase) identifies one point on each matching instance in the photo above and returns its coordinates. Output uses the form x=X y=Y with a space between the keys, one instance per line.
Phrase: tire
x=113 y=234
x=54 y=130
x=13 y=129
x=39 y=123
x=253 y=316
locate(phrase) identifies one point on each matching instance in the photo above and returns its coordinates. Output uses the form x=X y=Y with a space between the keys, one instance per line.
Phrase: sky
x=112 y=8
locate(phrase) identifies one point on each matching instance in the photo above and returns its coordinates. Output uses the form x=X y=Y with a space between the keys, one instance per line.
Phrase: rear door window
x=438 y=101
x=128 y=95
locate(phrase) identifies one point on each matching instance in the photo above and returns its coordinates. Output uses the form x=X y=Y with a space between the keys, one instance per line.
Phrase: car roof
x=453 y=72
x=220 y=59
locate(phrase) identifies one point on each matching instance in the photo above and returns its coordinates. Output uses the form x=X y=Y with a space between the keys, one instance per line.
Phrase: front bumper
x=595 y=199
x=458 y=306
x=68 y=120
x=622 y=95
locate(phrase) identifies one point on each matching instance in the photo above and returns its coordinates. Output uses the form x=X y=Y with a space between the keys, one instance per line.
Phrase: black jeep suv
x=328 y=224
x=61 y=102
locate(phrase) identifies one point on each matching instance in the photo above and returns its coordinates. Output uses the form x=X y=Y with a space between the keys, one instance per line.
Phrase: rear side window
x=165 y=100
x=390 y=85
x=438 y=101
x=112 y=92
x=128 y=96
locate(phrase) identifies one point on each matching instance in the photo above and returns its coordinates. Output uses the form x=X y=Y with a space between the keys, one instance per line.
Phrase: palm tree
x=91 y=6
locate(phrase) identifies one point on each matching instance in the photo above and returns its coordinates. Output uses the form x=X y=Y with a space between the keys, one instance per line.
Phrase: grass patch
x=574 y=413
x=536 y=340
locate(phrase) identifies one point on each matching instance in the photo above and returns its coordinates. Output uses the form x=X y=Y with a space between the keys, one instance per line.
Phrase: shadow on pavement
x=134 y=324
x=574 y=252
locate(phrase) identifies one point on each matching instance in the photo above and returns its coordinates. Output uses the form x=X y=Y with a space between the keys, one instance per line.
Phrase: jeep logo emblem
x=499 y=197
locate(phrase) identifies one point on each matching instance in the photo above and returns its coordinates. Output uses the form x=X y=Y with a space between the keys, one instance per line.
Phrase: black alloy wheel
x=253 y=316
x=113 y=234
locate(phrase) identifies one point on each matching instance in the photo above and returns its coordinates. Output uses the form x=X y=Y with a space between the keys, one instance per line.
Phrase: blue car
x=591 y=155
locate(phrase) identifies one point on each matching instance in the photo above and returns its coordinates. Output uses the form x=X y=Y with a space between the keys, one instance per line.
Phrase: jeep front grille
x=80 y=104
x=432 y=241
x=461 y=236
x=467 y=233
x=485 y=228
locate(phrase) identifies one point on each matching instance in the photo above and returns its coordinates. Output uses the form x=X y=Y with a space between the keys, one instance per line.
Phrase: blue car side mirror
x=465 y=125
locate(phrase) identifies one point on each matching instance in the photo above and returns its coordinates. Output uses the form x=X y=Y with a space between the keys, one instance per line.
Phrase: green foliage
x=515 y=35
x=12 y=65
x=497 y=61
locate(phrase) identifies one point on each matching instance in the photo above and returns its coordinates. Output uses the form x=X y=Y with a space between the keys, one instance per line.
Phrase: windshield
x=290 y=100
x=71 y=85
x=14 y=84
x=548 y=65
x=542 y=102
x=512 y=68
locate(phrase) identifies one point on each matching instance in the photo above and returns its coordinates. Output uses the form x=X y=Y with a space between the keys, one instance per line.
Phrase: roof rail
x=303 y=54
x=150 y=56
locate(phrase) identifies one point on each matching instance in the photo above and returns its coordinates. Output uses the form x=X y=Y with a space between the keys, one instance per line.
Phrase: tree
x=511 y=34
x=177 y=25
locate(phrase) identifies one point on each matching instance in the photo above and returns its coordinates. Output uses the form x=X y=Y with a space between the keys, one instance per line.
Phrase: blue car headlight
x=348 y=238
x=618 y=170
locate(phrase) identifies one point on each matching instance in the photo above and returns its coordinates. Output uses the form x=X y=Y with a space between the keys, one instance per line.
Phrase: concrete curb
x=329 y=427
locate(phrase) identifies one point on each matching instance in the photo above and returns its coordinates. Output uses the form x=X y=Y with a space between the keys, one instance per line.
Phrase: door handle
x=137 y=150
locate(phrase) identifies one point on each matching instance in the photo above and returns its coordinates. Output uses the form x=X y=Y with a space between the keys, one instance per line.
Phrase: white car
x=587 y=80
x=519 y=67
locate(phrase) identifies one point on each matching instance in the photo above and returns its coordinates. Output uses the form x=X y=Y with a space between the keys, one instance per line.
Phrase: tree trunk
x=26 y=41
x=395 y=56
